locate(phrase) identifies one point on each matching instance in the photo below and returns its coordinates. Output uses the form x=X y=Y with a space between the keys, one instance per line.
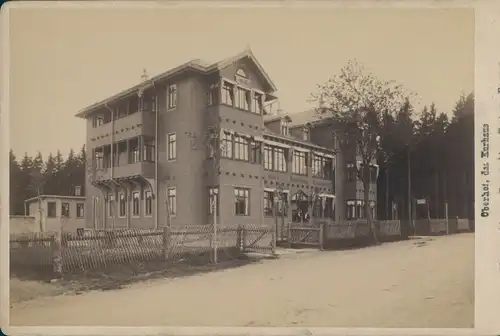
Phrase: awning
x=258 y=138
x=277 y=144
x=300 y=149
x=325 y=155
x=327 y=195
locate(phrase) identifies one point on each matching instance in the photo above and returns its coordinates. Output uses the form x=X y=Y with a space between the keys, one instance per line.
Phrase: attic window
x=305 y=134
x=241 y=73
x=284 y=127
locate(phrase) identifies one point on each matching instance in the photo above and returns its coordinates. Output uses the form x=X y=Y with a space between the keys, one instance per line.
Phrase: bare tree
x=357 y=101
x=210 y=142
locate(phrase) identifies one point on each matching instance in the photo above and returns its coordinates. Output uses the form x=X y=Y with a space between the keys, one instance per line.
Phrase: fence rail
x=68 y=252
x=320 y=233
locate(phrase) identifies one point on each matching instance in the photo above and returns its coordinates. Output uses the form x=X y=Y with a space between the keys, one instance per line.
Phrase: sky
x=64 y=59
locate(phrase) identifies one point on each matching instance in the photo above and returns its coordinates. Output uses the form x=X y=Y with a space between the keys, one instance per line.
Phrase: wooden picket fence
x=68 y=252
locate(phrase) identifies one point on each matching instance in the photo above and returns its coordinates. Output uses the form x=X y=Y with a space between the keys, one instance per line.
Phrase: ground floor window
x=65 y=210
x=268 y=203
x=51 y=209
x=80 y=210
x=111 y=205
x=135 y=203
x=123 y=205
x=148 y=203
x=172 y=200
x=241 y=201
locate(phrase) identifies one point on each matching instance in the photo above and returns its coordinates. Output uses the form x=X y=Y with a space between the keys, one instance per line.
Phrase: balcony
x=144 y=169
x=129 y=126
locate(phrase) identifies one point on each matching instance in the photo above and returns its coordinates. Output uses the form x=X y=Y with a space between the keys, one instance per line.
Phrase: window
x=284 y=127
x=148 y=203
x=213 y=196
x=240 y=148
x=172 y=96
x=257 y=103
x=241 y=201
x=227 y=94
x=322 y=167
x=213 y=94
x=123 y=205
x=226 y=145
x=242 y=98
x=351 y=172
x=51 y=209
x=99 y=158
x=172 y=200
x=97 y=120
x=255 y=152
x=111 y=205
x=135 y=203
x=305 y=134
x=279 y=159
x=65 y=210
x=134 y=150
x=299 y=166
x=268 y=157
x=149 y=150
x=274 y=159
x=328 y=208
x=80 y=207
x=171 y=146
x=268 y=203
x=351 y=210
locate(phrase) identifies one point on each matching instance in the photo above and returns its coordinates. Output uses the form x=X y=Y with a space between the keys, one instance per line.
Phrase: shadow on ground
x=118 y=276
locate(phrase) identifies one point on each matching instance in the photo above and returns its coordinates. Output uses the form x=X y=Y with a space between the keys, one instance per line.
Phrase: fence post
x=57 y=255
x=166 y=242
x=321 y=235
x=273 y=242
x=289 y=234
x=239 y=233
x=243 y=238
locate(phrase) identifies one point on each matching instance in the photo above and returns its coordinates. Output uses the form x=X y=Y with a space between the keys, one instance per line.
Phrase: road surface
x=415 y=283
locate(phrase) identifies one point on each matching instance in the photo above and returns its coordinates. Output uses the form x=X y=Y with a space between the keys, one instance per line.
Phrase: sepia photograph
x=241 y=166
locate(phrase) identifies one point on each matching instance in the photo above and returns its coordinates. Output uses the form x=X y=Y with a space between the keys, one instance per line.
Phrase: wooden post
x=273 y=242
x=321 y=235
x=243 y=238
x=166 y=242
x=239 y=237
x=446 y=217
x=289 y=234
x=57 y=255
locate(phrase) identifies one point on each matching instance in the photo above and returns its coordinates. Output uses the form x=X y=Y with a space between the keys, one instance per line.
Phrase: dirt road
x=414 y=283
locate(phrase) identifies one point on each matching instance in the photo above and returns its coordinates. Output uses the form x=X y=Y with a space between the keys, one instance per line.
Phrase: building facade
x=164 y=151
x=53 y=213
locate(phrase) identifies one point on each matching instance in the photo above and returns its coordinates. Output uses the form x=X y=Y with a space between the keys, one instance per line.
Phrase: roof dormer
x=284 y=124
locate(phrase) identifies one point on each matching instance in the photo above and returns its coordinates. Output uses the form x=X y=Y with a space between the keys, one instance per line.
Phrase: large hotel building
x=160 y=152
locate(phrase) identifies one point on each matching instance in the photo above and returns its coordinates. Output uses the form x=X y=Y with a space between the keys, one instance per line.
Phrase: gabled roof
x=276 y=117
x=195 y=65
x=247 y=53
x=302 y=118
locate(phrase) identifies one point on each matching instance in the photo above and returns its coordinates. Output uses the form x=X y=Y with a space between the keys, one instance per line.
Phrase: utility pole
x=409 y=188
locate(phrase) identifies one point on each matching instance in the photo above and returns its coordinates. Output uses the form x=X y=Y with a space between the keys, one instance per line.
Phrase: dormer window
x=305 y=134
x=284 y=127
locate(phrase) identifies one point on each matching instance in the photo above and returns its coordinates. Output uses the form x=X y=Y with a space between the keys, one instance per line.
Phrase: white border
x=487 y=292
